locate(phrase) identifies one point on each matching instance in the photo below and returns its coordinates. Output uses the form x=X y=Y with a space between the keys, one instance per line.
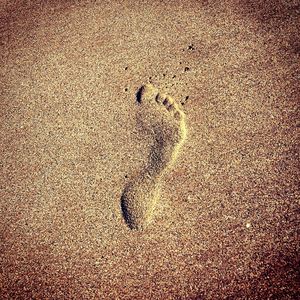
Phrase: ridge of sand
x=163 y=117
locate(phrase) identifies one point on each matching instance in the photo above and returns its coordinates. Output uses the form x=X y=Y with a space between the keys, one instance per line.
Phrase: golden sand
x=73 y=137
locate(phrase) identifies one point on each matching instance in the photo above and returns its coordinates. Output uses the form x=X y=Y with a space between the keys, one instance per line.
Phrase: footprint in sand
x=160 y=117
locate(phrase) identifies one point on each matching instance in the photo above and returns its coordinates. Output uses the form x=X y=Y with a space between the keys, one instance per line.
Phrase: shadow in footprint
x=138 y=95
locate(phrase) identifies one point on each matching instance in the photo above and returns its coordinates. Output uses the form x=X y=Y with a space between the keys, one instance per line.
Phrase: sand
x=226 y=224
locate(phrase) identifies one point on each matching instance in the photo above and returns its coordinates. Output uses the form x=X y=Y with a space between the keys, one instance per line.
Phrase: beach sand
x=226 y=224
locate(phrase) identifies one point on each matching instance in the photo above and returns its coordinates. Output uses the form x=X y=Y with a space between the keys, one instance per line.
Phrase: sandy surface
x=227 y=224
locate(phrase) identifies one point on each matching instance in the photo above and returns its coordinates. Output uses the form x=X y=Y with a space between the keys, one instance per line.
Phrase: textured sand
x=227 y=224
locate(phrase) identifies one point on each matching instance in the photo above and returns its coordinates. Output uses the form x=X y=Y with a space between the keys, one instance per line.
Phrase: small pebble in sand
x=248 y=225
